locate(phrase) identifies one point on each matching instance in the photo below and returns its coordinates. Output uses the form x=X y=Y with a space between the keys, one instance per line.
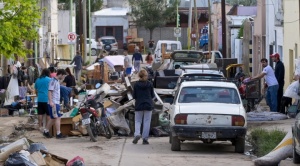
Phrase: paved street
x=119 y=151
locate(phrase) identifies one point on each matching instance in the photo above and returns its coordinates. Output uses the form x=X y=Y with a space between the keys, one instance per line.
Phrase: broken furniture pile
x=21 y=152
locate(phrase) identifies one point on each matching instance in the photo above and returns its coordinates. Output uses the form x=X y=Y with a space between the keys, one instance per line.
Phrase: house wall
x=291 y=38
x=63 y=26
x=165 y=33
x=110 y=21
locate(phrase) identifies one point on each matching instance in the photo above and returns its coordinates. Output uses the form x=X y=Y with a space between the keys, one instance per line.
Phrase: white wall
x=234 y=34
x=270 y=27
x=110 y=21
x=238 y=49
x=63 y=26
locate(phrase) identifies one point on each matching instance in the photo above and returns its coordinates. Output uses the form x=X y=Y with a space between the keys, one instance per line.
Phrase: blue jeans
x=65 y=93
x=271 y=97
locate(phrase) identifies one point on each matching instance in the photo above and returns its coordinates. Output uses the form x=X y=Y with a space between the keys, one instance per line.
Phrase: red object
x=76 y=161
x=276 y=55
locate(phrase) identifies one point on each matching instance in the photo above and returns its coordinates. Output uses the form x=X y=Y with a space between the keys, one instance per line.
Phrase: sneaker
x=46 y=134
x=136 y=139
x=60 y=136
x=145 y=142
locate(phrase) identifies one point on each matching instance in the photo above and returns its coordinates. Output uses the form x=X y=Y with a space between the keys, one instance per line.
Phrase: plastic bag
x=37 y=147
x=76 y=161
x=163 y=119
x=17 y=159
x=292 y=90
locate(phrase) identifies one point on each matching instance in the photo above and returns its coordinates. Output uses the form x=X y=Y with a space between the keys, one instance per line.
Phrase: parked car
x=185 y=57
x=208 y=111
x=93 y=46
x=108 y=43
x=213 y=55
x=170 y=46
x=296 y=139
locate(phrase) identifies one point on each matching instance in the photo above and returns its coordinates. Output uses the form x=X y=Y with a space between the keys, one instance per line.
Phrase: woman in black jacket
x=143 y=94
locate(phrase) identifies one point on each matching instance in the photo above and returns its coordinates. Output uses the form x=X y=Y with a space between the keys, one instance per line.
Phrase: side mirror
x=75 y=100
x=97 y=85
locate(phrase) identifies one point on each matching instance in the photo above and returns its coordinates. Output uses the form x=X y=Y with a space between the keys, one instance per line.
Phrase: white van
x=170 y=46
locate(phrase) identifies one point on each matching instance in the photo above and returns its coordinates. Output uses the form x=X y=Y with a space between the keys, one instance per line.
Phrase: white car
x=208 y=111
x=108 y=43
x=93 y=46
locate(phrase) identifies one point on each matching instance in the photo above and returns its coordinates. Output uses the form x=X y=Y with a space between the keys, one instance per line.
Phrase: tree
x=242 y=2
x=152 y=14
x=17 y=21
x=95 y=6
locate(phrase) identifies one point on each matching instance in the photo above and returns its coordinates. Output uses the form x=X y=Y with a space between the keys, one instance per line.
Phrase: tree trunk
x=151 y=34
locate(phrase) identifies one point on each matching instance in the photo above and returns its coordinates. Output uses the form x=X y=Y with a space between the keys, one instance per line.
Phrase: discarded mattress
x=265 y=116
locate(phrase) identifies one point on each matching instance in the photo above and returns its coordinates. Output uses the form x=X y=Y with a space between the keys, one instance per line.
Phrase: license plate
x=209 y=135
x=86 y=121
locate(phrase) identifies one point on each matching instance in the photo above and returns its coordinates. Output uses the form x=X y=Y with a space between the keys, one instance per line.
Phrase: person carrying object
x=143 y=93
x=137 y=59
x=54 y=104
x=271 y=81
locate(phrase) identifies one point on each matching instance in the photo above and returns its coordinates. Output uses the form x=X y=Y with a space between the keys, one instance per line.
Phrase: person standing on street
x=143 y=94
x=149 y=58
x=41 y=86
x=127 y=63
x=78 y=62
x=54 y=104
x=279 y=74
x=137 y=59
x=268 y=73
x=69 y=80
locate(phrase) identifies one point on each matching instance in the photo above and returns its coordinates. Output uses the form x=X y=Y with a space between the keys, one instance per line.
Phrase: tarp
x=114 y=60
x=292 y=90
x=265 y=116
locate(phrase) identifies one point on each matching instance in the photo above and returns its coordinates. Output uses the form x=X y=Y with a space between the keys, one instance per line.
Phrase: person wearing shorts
x=54 y=104
x=41 y=86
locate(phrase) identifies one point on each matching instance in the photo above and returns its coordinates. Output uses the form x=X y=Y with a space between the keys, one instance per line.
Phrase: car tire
x=175 y=145
x=296 y=156
x=107 y=47
x=93 y=52
x=240 y=145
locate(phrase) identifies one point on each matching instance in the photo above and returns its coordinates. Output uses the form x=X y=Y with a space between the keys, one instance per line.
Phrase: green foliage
x=152 y=14
x=242 y=2
x=17 y=21
x=264 y=141
x=241 y=30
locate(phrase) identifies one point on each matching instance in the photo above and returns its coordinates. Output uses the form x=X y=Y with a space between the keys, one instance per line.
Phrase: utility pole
x=196 y=25
x=224 y=48
x=189 y=25
x=210 y=27
x=90 y=32
x=177 y=19
x=70 y=27
x=84 y=30
x=80 y=26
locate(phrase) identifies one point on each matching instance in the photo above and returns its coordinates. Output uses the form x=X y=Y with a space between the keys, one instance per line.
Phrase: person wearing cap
x=279 y=74
x=78 y=62
x=269 y=75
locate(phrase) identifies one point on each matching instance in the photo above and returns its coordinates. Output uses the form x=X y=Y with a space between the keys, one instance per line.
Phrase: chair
x=189 y=98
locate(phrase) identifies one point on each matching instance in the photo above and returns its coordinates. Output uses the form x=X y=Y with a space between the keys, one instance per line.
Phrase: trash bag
x=17 y=159
x=37 y=147
x=76 y=161
x=292 y=90
x=163 y=119
x=159 y=132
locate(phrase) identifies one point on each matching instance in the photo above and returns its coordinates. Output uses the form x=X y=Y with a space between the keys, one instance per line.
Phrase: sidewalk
x=7 y=126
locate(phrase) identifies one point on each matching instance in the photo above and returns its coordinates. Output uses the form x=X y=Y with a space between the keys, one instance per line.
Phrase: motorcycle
x=94 y=116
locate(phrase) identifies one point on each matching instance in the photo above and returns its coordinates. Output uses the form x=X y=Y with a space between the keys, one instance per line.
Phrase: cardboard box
x=66 y=126
x=54 y=160
x=3 y=112
x=37 y=158
x=107 y=103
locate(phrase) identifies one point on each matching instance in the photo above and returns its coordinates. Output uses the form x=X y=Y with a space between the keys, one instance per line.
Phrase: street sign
x=177 y=32
x=193 y=36
x=72 y=37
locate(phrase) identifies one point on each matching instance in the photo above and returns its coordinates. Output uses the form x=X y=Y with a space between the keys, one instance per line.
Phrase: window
x=208 y=94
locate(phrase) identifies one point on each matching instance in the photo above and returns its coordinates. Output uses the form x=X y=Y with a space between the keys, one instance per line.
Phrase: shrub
x=264 y=141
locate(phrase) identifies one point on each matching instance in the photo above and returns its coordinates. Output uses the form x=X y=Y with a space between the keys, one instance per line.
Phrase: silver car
x=108 y=43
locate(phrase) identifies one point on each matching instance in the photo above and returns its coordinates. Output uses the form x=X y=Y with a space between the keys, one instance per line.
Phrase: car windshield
x=202 y=94
x=108 y=41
